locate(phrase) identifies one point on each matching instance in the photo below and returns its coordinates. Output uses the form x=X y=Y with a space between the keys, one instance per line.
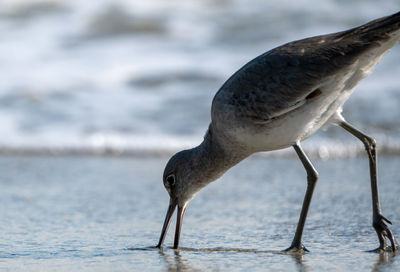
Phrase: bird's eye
x=171 y=180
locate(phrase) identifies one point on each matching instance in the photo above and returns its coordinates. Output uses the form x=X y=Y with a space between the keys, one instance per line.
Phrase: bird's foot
x=383 y=232
x=387 y=249
x=296 y=249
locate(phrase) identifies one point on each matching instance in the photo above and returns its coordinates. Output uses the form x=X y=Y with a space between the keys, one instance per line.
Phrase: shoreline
x=316 y=151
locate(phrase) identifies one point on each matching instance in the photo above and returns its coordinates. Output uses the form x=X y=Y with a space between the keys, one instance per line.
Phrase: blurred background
x=138 y=77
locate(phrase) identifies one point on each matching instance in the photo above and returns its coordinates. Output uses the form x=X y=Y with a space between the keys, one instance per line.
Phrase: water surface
x=101 y=214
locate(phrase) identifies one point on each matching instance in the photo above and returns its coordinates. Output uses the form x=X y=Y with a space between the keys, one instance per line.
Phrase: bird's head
x=188 y=171
x=182 y=180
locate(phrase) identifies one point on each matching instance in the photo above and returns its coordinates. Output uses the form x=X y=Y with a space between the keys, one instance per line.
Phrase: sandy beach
x=103 y=213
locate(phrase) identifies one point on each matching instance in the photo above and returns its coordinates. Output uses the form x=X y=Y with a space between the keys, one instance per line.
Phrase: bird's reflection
x=175 y=263
x=384 y=261
x=298 y=258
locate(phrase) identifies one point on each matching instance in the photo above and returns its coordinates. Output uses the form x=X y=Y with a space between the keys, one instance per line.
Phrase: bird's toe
x=296 y=249
x=384 y=232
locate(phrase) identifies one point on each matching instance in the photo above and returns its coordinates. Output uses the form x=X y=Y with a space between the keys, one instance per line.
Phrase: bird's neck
x=215 y=156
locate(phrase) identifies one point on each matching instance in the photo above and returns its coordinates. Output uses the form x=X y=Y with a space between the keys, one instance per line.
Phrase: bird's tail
x=379 y=30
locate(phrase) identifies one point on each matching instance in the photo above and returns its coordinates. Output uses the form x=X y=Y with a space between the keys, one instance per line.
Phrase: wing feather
x=278 y=81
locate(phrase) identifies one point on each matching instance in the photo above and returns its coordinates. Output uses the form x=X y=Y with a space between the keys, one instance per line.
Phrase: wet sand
x=103 y=213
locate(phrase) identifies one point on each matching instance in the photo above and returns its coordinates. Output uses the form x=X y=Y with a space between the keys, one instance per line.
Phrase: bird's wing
x=282 y=79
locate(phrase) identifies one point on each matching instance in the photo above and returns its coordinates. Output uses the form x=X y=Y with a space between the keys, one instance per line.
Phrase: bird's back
x=306 y=80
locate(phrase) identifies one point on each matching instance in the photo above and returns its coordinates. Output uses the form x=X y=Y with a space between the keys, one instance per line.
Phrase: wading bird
x=277 y=100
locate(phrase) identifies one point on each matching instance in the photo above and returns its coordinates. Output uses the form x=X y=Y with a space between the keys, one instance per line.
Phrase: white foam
x=64 y=88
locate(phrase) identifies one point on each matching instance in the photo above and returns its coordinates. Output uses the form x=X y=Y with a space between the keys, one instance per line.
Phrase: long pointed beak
x=168 y=217
x=179 y=219
x=167 y=221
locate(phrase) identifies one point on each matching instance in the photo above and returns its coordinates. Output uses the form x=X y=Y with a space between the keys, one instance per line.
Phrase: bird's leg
x=312 y=177
x=378 y=220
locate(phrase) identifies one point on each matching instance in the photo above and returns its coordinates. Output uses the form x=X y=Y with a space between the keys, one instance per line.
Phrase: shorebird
x=277 y=100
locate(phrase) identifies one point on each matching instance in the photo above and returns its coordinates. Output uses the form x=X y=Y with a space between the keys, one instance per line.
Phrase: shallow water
x=102 y=214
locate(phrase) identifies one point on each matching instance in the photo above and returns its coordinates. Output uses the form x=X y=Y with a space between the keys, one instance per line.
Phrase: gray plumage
x=277 y=100
x=279 y=79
